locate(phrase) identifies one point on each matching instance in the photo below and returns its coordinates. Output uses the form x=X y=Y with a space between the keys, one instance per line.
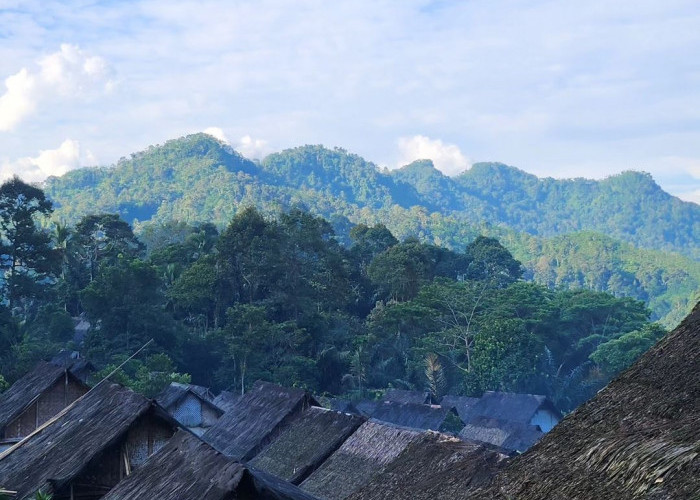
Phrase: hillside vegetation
x=555 y=227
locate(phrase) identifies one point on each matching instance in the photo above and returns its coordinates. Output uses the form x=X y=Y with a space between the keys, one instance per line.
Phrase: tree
x=491 y=261
x=104 y=238
x=619 y=353
x=27 y=256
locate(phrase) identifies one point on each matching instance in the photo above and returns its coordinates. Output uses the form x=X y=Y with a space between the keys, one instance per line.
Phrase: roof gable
x=305 y=444
x=365 y=453
x=242 y=431
x=59 y=450
x=28 y=388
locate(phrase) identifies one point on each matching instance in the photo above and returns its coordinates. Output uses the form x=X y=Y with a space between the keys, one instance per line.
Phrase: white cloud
x=252 y=148
x=217 y=133
x=49 y=162
x=69 y=74
x=447 y=158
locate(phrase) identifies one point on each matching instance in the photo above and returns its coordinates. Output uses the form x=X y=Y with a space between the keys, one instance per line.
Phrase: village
x=638 y=438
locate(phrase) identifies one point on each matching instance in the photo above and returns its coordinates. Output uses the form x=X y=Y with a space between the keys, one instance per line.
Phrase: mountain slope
x=197 y=178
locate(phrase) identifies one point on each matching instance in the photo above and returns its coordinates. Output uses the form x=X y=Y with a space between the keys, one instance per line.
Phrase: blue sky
x=557 y=88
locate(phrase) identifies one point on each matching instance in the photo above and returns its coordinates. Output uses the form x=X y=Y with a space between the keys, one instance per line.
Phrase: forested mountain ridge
x=197 y=178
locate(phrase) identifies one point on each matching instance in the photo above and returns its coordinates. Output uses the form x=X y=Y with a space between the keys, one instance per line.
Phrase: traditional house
x=530 y=409
x=256 y=419
x=306 y=444
x=35 y=398
x=638 y=438
x=187 y=468
x=460 y=403
x=403 y=396
x=511 y=436
x=191 y=405
x=368 y=451
x=434 y=466
x=419 y=416
x=88 y=447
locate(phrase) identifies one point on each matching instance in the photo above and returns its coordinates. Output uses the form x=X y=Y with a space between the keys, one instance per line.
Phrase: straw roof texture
x=372 y=447
x=305 y=444
x=514 y=436
x=186 y=468
x=23 y=392
x=256 y=418
x=60 y=451
x=637 y=438
x=434 y=466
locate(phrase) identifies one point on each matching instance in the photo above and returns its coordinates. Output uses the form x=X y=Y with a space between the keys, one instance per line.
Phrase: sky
x=556 y=88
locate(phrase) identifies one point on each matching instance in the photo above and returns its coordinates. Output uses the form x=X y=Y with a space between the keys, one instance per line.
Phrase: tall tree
x=27 y=256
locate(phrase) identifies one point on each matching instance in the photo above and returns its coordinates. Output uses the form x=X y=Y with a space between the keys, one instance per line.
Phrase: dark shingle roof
x=509 y=406
x=460 y=403
x=258 y=415
x=417 y=416
x=302 y=447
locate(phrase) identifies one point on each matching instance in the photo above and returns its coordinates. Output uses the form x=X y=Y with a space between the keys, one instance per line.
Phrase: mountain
x=555 y=227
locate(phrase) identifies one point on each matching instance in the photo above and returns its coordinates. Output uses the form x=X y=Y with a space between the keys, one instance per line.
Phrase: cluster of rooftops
x=637 y=438
x=58 y=435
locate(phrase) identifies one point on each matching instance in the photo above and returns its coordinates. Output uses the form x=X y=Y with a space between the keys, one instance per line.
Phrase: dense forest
x=286 y=298
x=621 y=235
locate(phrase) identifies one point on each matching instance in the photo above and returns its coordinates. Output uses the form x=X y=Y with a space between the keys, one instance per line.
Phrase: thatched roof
x=513 y=436
x=372 y=447
x=185 y=468
x=226 y=400
x=510 y=406
x=460 y=403
x=637 y=438
x=300 y=449
x=59 y=451
x=432 y=467
x=403 y=396
x=176 y=391
x=418 y=416
x=257 y=417
x=28 y=388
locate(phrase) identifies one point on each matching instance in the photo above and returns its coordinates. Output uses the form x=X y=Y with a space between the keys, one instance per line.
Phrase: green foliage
x=27 y=257
x=149 y=377
x=279 y=298
x=3 y=384
x=554 y=227
x=619 y=353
